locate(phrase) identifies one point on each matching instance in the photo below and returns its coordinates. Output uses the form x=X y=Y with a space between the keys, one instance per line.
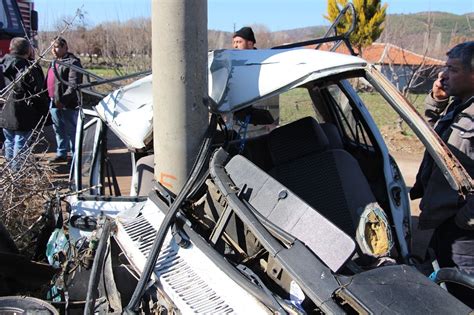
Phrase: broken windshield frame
x=454 y=172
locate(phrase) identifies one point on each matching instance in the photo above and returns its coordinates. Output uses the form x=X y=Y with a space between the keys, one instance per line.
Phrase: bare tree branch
x=26 y=184
x=9 y=88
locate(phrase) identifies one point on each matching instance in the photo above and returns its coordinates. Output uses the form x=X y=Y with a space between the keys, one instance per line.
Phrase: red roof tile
x=384 y=53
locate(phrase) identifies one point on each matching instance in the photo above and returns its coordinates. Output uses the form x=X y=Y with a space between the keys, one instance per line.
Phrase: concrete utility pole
x=179 y=51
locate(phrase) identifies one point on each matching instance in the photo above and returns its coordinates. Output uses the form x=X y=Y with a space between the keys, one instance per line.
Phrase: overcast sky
x=226 y=14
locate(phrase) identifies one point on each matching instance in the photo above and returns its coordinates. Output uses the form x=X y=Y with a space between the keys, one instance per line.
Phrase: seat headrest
x=296 y=140
x=331 y=131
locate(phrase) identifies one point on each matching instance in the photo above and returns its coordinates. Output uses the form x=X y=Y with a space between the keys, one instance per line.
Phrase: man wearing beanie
x=244 y=39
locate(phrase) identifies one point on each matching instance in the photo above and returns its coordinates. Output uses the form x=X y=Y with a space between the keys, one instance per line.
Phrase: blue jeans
x=14 y=142
x=64 y=125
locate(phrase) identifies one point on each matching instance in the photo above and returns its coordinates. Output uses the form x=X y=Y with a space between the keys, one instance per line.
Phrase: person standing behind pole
x=26 y=104
x=63 y=98
x=449 y=108
x=244 y=39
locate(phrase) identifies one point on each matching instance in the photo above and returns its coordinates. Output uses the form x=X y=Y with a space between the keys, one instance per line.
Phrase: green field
x=296 y=104
x=382 y=113
x=108 y=73
x=103 y=72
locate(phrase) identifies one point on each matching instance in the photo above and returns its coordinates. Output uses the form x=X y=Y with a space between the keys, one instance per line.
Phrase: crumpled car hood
x=128 y=111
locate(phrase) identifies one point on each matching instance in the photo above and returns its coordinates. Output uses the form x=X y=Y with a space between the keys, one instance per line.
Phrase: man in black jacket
x=64 y=99
x=25 y=104
x=449 y=108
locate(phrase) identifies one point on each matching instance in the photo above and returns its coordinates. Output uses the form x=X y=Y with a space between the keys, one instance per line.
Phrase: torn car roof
x=237 y=78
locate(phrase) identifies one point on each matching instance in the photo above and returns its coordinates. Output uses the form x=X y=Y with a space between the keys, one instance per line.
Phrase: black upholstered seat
x=333 y=135
x=289 y=213
x=329 y=180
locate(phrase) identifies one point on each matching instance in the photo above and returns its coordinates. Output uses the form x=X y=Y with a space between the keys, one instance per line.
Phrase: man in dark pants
x=449 y=108
x=25 y=104
x=64 y=100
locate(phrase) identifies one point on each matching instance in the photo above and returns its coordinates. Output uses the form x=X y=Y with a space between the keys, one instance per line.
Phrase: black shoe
x=57 y=159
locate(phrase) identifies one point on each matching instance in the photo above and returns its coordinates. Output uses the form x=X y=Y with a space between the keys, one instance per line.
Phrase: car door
x=87 y=170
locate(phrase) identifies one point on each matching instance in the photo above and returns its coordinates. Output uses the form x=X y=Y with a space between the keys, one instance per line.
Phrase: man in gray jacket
x=64 y=99
x=449 y=108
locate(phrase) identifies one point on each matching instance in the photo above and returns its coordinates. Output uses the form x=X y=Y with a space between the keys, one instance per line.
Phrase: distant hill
x=115 y=42
x=443 y=22
x=409 y=31
x=445 y=29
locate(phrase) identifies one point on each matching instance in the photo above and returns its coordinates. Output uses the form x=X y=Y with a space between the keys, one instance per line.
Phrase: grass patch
x=382 y=112
x=385 y=116
x=108 y=73
x=103 y=72
x=295 y=104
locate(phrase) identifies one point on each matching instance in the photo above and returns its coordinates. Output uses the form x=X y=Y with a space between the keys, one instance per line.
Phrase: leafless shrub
x=26 y=183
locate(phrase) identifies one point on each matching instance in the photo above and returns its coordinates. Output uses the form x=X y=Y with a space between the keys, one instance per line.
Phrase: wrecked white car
x=307 y=216
x=311 y=216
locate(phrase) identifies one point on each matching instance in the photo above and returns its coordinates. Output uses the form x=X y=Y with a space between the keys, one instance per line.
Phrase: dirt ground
x=399 y=142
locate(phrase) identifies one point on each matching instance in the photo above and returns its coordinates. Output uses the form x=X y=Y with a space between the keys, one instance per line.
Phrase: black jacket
x=454 y=123
x=26 y=104
x=66 y=94
x=2 y=80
